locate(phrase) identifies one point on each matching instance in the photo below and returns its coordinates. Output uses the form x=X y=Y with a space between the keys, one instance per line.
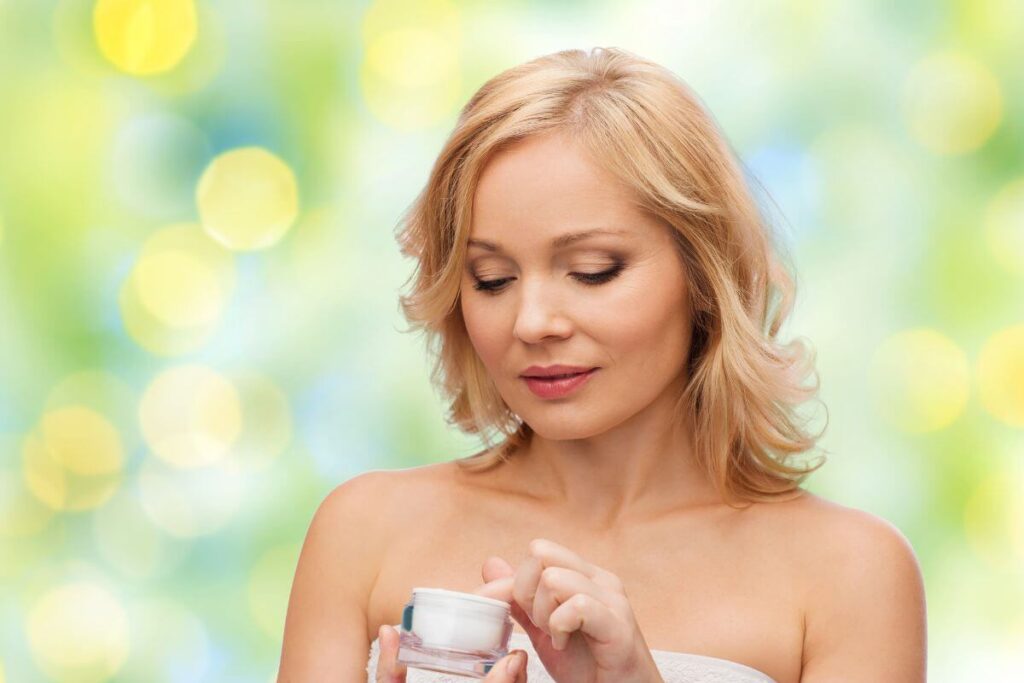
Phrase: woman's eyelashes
x=495 y=286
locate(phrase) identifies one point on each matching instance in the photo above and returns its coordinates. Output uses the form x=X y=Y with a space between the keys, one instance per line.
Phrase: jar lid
x=445 y=594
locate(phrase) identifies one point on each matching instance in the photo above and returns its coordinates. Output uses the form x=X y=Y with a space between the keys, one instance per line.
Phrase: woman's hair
x=644 y=125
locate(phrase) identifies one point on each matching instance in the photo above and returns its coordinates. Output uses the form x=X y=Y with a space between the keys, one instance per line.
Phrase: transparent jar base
x=472 y=664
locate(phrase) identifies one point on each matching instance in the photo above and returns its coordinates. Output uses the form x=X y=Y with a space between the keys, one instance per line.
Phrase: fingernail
x=514 y=665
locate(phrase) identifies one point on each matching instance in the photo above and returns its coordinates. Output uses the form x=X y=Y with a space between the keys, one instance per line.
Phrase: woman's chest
x=691 y=589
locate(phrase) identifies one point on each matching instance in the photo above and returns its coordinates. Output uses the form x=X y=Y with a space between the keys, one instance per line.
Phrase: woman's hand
x=576 y=614
x=390 y=671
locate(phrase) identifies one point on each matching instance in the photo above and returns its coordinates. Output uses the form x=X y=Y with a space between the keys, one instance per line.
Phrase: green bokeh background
x=884 y=141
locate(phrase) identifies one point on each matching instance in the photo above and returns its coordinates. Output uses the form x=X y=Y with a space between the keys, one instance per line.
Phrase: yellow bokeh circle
x=952 y=103
x=176 y=294
x=1004 y=227
x=248 y=199
x=21 y=512
x=411 y=57
x=411 y=77
x=143 y=37
x=79 y=631
x=82 y=440
x=74 y=460
x=993 y=525
x=190 y=415
x=97 y=389
x=921 y=380
x=179 y=289
x=268 y=587
x=1001 y=375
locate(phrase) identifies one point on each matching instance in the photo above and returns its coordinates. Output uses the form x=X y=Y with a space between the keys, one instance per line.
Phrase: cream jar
x=452 y=632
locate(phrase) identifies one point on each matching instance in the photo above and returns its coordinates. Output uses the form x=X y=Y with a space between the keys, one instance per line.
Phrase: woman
x=642 y=516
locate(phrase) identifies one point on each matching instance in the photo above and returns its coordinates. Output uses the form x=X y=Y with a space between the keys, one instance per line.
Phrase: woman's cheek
x=487 y=333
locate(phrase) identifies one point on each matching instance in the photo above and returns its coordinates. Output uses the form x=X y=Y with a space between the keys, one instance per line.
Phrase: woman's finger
x=509 y=669
x=499 y=588
x=545 y=554
x=524 y=586
x=499 y=576
x=586 y=614
x=556 y=586
x=389 y=670
x=552 y=554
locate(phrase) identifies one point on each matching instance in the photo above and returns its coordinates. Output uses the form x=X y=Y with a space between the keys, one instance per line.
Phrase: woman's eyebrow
x=558 y=243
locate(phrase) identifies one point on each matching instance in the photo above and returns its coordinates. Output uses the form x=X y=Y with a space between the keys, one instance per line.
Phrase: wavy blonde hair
x=645 y=126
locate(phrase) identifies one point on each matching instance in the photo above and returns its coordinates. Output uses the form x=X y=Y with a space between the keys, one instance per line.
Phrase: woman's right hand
x=389 y=670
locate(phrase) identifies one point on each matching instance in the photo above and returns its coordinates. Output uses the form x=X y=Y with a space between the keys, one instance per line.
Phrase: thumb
x=389 y=670
x=511 y=669
x=519 y=670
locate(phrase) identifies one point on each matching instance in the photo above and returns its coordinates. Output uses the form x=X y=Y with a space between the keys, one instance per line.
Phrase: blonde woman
x=603 y=301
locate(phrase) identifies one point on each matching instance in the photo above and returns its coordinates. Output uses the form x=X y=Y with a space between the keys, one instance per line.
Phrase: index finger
x=551 y=554
x=499 y=589
x=545 y=553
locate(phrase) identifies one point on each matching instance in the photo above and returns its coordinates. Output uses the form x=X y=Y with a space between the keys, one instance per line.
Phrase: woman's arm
x=866 y=620
x=325 y=628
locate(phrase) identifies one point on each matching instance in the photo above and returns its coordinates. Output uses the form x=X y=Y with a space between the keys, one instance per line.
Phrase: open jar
x=453 y=632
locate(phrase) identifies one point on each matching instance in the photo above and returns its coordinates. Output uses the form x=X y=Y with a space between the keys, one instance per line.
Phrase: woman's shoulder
x=384 y=491
x=822 y=532
x=832 y=525
x=854 y=566
x=864 y=592
x=399 y=482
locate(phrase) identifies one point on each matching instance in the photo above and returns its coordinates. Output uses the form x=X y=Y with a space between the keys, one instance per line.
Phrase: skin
x=634 y=325
x=635 y=328
x=604 y=537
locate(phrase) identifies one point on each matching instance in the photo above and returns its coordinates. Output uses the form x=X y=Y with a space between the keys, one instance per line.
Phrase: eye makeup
x=493 y=286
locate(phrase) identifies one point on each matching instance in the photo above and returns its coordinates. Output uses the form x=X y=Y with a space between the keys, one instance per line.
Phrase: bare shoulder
x=837 y=533
x=377 y=500
x=357 y=509
x=397 y=483
x=865 y=614
x=372 y=508
x=348 y=537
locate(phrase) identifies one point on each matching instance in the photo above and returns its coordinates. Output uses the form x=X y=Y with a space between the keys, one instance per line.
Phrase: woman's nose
x=539 y=315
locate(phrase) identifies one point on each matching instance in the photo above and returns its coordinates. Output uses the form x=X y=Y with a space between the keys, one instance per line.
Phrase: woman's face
x=616 y=301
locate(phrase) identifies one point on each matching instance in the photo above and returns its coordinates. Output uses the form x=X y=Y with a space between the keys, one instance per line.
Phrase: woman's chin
x=560 y=430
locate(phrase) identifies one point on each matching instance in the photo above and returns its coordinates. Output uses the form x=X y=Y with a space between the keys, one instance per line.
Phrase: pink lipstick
x=560 y=385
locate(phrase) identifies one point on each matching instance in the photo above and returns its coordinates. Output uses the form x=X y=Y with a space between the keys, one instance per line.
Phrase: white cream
x=462 y=621
x=444 y=630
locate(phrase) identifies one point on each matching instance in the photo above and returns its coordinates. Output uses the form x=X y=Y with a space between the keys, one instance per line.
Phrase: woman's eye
x=494 y=286
x=599 y=278
x=490 y=285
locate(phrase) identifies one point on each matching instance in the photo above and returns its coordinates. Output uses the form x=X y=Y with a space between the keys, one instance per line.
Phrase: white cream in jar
x=454 y=632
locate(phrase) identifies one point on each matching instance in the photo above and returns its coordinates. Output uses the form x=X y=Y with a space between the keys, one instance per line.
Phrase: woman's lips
x=558 y=387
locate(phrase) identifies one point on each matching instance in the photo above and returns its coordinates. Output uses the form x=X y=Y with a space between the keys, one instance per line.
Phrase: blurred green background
x=199 y=327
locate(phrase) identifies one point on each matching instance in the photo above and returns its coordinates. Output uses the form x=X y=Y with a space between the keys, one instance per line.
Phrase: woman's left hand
x=576 y=614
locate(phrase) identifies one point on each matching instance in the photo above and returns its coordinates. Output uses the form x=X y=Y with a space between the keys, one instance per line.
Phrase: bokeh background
x=199 y=328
